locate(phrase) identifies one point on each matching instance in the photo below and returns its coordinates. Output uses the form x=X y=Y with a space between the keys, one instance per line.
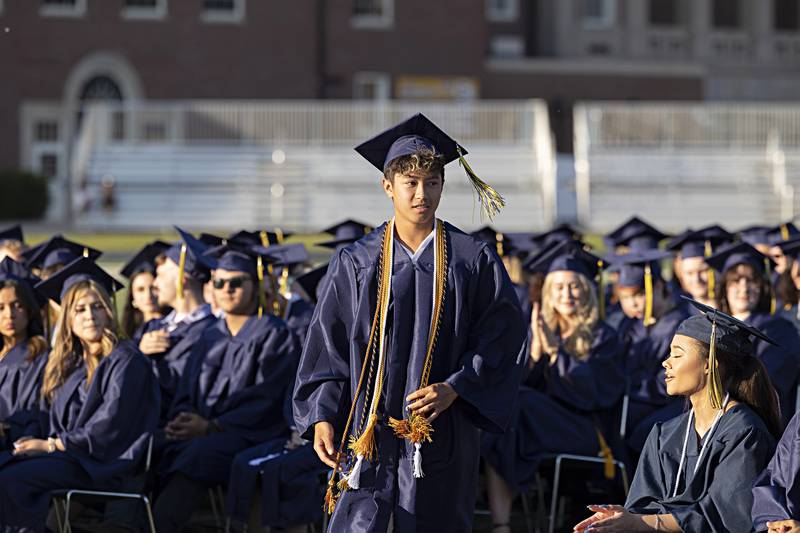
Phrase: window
x=664 y=13
x=786 y=15
x=48 y=165
x=507 y=46
x=223 y=11
x=502 y=10
x=45 y=131
x=371 y=86
x=62 y=8
x=373 y=14
x=727 y=14
x=599 y=14
x=144 y=9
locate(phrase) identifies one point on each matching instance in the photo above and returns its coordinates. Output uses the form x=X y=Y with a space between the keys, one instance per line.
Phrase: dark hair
x=424 y=159
x=36 y=342
x=785 y=288
x=764 y=285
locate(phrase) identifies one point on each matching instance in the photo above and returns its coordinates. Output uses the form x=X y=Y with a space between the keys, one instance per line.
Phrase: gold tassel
x=784 y=232
x=773 y=302
x=609 y=468
x=264 y=238
x=711 y=281
x=262 y=299
x=330 y=498
x=365 y=444
x=490 y=199
x=284 y=283
x=714 y=380
x=85 y=251
x=181 y=266
x=415 y=428
x=499 y=239
x=279 y=235
x=648 y=296
x=276 y=304
x=601 y=297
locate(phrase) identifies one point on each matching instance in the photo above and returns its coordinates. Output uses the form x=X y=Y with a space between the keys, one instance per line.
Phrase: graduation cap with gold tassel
x=721 y=332
x=417 y=134
x=641 y=270
x=188 y=254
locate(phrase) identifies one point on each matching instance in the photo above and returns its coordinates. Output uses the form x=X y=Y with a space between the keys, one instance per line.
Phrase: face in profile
x=686 y=367
x=166 y=283
x=234 y=292
x=89 y=317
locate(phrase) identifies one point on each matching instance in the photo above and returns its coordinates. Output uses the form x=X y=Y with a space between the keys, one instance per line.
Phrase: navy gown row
x=20 y=378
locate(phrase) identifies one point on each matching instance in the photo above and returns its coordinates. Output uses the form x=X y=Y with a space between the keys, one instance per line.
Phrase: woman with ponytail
x=746 y=294
x=696 y=470
x=102 y=401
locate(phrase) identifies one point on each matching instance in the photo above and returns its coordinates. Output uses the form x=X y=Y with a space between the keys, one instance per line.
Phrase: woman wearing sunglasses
x=231 y=395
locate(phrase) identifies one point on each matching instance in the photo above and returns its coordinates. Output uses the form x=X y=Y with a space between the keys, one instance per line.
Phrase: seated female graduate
x=575 y=378
x=231 y=394
x=141 y=305
x=696 y=471
x=277 y=484
x=101 y=399
x=697 y=279
x=776 y=494
x=746 y=293
x=23 y=353
x=168 y=341
x=651 y=318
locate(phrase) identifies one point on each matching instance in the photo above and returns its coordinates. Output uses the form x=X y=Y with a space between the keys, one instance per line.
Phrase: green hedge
x=23 y=196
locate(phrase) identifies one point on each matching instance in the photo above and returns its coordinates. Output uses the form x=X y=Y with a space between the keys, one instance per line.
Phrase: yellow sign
x=436 y=88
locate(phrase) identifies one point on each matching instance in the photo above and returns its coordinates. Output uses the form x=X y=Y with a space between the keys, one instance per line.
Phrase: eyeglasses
x=234 y=283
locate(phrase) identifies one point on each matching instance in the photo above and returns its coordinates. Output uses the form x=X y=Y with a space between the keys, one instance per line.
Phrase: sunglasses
x=233 y=283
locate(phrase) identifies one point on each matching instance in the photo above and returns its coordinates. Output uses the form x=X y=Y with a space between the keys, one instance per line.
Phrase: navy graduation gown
x=20 y=380
x=169 y=366
x=776 y=492
x=105 y=429
x=783 y=361
x=478 y=353
x=298 y=317
x=718 y=497
x=240 y=381
x=559 y=410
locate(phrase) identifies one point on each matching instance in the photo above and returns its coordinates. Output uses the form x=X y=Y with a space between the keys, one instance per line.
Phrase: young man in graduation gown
x=231 y=394
x=427 y=315
x=168 y=341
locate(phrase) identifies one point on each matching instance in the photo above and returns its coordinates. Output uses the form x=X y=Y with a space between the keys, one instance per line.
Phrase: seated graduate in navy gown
x=696 y=470
x=428 y=316
x=791 y=289
x=141 y=305
x=776 y=493
x=697 y=279
x=231 y=394
x=12 y=243
x=576 y=377
x=23 y=353
x=652 y=316
x=766 y=239
x=168 y=341
x=101 y=399
x=745 y=293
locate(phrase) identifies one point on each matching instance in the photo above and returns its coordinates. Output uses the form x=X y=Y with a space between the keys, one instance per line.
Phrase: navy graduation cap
x=284 y=255
x=700 y=243
x=144 y=260
x=60 y=251
x=559 y=234
x=188 y=254
x=81 y=269
x=263 y=238
x=14 y=233
x=569 y=255
x=10 y=270
x=234 y=258
x=791 y=247
x=641 y=269
x=418 y=133
x=770 y=235
x=344 y=233
x=740 y=253
x=634 y=234
x=210 y=239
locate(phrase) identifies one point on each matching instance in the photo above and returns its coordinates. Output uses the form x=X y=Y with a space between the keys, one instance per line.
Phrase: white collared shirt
x=414 y=256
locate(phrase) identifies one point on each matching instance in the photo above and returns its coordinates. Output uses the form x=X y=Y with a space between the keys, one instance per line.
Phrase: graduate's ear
x=388 y=187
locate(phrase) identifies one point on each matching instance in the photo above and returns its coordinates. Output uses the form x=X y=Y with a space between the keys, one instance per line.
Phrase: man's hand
x=186 y=426
x=323 y=443
x=783 y=526
x=154 y=342
x=432 y=401
x=30 y=446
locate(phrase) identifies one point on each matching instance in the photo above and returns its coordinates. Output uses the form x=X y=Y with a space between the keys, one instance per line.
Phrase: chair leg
x=57 y=510
x=551 y=527
x=624 y=473
x=67 y=528
x=526 y=511
x=540 y=505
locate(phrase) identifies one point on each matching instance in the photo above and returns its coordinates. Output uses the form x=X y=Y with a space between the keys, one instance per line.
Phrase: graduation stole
x=415 y=428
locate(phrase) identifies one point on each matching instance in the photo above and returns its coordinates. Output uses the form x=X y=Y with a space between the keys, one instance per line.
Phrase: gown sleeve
x=771 y=489
x=491 y=367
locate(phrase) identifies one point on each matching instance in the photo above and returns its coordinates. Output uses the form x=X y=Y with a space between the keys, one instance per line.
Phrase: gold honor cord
x=416 y=429
x=709 y=251
x=384 y=271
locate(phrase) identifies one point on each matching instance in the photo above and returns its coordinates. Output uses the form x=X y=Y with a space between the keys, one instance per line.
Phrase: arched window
x=100 y=88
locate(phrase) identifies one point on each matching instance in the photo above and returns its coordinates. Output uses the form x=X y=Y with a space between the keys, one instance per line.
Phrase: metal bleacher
x=685 y=165
x=293 y=166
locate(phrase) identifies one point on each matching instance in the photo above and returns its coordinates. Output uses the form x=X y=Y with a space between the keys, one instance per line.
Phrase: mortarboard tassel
x=648 y=296
x=279 y=235
x=264 y=238
x=714 y=380
x=609 y=468
x=276 y=304
x=773 y=302
x=601 y=300
x=499 y=240
x=284 y=281
x=181 y=266
x=711 y=281
x=85 y=251
x=784 y=232
x=490 y=199
x=262 y=299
